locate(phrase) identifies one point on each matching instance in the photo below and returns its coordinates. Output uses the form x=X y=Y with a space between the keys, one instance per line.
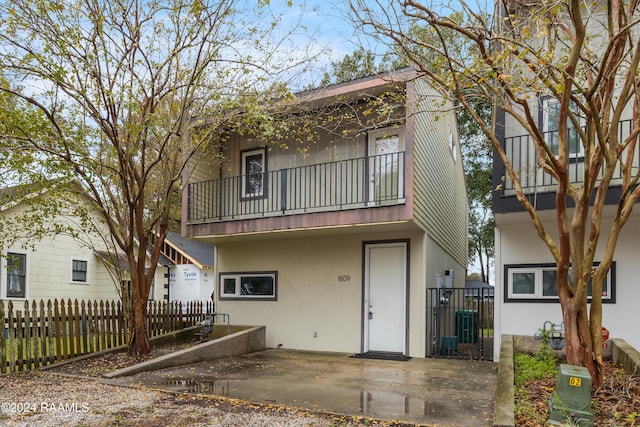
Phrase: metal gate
x=460 y=323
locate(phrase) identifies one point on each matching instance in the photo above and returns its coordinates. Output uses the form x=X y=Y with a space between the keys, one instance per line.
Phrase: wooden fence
x=37 y=333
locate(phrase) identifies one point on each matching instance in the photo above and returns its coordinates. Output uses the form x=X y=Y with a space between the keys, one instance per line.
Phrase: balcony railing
x=522 y=154
x=346 y=184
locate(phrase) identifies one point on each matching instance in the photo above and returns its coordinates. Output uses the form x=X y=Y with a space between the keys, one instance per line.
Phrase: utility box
x=467 y=322
x=450 y=344
x=570 y=403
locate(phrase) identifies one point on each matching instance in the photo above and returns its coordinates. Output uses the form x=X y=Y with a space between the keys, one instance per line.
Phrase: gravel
x=71 y=395
x=50 y=399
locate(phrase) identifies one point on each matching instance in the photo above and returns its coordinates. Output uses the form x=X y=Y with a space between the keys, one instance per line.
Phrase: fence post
x=95 y=323
x=107 y=324
x=42 y=336
x=114 y=325
x=27 y=336
x=35 y=333
x=20 y=336
x=157 y=319
x=12 y=339
x=84 y=324
x=51 y=332
x=64 y=330
x=151 y=326
x=122 y=325
x=58 y=326
x=3 y=341
x=103 y=328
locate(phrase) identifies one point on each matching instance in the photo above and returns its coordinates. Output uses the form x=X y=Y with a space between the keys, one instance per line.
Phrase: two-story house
x=526 y=293
x=333 y=247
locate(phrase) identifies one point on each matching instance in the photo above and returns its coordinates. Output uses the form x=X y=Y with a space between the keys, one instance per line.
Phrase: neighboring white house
x=525 y=285
x=54 y=267
x=334 y=247
x=59 y=265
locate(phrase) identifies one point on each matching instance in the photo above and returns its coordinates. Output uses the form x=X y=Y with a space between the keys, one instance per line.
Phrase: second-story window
x=550 y=125
x=253 y=177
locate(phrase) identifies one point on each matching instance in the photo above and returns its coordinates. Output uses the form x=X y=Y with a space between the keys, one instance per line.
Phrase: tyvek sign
x=188 y=283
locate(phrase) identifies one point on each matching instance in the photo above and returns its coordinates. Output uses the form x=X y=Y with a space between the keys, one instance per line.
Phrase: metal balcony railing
x=333 y=186
x=522 y=154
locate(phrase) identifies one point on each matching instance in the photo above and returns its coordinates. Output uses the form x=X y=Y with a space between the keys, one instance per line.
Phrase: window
x=253 y=176
x=79 y=271
x=539 y=282
x=16 y=275
x=386 y=165
x=550 y=123
x=256 y=286
x=452 y=147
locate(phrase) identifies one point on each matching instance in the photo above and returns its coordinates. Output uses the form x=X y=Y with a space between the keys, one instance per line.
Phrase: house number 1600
x=344 y=278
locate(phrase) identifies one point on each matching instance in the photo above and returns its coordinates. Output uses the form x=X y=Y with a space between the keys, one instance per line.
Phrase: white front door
x=385 y=300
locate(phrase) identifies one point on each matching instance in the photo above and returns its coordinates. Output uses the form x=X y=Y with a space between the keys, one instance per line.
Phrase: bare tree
x=118 y=85
x=582 y=55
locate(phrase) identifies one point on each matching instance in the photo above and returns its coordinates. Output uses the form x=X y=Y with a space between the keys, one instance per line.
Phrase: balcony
x=334 y=186
x=523 y=157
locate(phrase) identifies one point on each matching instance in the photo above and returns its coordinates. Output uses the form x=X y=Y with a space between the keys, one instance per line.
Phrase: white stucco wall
x=315 y=310
x=517 y=242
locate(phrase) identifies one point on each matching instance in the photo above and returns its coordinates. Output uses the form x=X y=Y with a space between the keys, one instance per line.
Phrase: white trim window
x=550 y=123
x=252 y=286
x=253 y=170
x=79 y=271
x=16 y=268
x=538 y=282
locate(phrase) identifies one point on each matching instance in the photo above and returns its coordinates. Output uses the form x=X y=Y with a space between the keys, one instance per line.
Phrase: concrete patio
x=442 y=392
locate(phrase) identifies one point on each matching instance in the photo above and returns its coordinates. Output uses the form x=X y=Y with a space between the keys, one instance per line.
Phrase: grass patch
x=543 y=364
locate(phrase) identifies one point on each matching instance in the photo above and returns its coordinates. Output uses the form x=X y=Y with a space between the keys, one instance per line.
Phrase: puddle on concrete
x=373 y=403
x=381 y=402
x=218 y=387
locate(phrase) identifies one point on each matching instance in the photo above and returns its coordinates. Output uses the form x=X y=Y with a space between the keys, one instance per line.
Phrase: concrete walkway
x=441 y=392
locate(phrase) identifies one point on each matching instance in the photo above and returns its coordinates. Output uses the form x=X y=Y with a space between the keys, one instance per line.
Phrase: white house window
x=550 y=124
x=452 y=147
x=256 y=286
x=539 y=282
x=79 y=270
x=253 y=173
x=16 y=275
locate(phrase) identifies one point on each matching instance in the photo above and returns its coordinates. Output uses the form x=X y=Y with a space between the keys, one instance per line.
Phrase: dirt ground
x=616 y=402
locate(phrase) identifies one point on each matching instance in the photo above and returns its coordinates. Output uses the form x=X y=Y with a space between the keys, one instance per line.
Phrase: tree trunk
x=578 y=340
x=483 y=275
x=139 y=343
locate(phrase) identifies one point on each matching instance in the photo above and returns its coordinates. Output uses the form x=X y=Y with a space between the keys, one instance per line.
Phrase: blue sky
x=322 y=29
x=327 y=28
